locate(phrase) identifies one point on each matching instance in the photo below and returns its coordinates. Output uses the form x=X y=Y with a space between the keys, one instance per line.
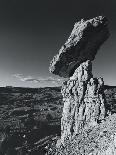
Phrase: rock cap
x=86 y=38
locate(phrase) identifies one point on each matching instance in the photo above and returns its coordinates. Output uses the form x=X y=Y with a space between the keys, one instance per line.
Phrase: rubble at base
x=97 y=140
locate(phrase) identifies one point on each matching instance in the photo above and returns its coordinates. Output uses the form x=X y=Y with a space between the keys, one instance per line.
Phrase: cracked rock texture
x=84 y=101
x=86 y=38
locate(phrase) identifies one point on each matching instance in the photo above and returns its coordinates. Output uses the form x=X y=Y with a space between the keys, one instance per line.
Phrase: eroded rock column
x=84 y=101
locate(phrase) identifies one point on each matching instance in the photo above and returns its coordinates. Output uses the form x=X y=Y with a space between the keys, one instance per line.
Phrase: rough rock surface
x=84 y=101
x=98 y=140
x=86 y=38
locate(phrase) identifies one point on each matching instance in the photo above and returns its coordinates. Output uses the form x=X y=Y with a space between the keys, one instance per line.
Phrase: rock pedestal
x=84 y=101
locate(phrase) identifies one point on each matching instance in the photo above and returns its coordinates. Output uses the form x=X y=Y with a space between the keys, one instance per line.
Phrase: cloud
x=56 y=81
x=27 y=78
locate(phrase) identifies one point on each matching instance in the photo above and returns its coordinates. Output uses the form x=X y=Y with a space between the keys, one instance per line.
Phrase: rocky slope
x=97 y=140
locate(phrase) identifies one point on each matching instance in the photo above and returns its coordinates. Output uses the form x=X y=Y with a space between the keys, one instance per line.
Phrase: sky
x=32 y=32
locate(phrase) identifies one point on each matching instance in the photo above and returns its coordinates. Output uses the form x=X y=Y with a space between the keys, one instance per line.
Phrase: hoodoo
x=85 y=109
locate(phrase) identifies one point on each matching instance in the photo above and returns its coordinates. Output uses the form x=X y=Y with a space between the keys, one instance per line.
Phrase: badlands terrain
x=34 y=113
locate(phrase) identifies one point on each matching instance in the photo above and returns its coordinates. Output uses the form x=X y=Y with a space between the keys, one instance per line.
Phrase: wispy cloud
x=52 y=80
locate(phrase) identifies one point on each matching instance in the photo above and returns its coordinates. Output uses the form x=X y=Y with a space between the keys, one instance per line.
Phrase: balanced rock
x=86 y=38
x=85 y=108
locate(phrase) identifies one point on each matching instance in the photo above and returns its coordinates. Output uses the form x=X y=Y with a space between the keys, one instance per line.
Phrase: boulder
x=86 y=38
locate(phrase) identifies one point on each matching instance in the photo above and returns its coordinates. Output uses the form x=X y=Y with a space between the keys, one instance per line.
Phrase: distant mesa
x=86 y=38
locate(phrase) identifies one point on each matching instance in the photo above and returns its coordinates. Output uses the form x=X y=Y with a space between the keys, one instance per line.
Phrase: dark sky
x=32 y=32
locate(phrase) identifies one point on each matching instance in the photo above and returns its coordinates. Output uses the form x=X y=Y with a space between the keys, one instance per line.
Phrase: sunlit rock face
x=86 y=38
x=84 y=101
